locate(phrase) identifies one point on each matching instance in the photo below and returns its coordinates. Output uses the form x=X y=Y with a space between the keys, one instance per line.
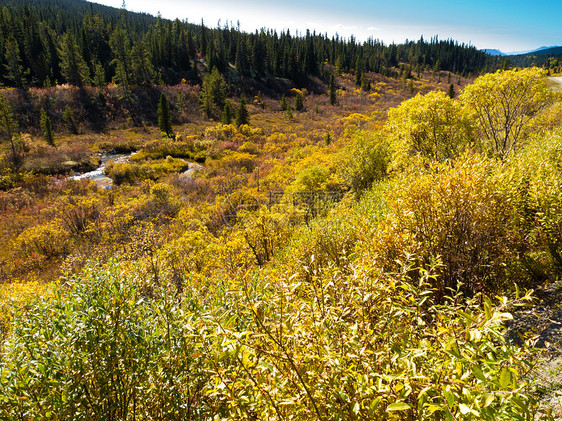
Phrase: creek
x=98 y=175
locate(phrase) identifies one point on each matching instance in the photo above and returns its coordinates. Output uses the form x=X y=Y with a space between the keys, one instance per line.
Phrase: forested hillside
x=72 y=41
x=284 y=227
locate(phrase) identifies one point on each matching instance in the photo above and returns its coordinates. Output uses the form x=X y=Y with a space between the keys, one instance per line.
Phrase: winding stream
x=98 y=175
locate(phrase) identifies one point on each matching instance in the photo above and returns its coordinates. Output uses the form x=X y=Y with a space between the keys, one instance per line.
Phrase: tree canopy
x=504 y=104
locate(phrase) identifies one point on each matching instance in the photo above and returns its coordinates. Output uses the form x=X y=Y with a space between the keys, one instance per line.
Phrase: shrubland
x=365 y=277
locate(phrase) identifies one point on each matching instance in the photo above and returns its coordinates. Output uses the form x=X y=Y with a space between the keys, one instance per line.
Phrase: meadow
x=356 y=260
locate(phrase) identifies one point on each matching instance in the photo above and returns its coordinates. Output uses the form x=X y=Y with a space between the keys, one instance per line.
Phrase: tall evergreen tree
x=13 y=66
x=242 y=115
x=226 y=117
x=73 y=66
x=451 y=91
x=284 y=105
x=99 y=75
x=213 y=93
x=332 y=90
x=120 y=47
x=8 y=126
x=142 y=70
x=358 y=73
x=299 y=104
x=164 y=116
x=47 y=127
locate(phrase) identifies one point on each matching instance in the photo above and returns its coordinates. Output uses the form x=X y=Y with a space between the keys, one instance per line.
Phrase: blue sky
x=512 y=25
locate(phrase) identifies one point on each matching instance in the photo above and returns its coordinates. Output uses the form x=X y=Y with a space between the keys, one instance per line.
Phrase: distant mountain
x=493 y=52
x=553 y=50
x=537 y=51
x=550 y=51
x=544 y=48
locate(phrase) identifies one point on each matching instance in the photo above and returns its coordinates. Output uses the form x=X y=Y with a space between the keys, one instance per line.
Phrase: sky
x=507 y=25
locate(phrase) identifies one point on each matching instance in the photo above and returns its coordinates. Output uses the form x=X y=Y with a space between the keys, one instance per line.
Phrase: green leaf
x=433 y=407
x=468 y=316
x=398 y=406
x=489 y=400
x=505 y=378
x=478 y=373
x=374 y=404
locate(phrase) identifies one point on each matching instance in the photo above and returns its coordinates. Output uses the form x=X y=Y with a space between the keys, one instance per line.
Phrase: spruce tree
x=242 y=115
x=164 y=116
x=299 y=105
x=284 y=104
x=332 y=89
x=142 y=70
x=8 y=125
x=365 y=83
x=99 y=76
x=73 y=67
x=14 y=68
x=451 y=91
x=68 y=117
x=47 y=127
x=213 y=93
x=121 y=49
x=358 y=73
x=226 y=117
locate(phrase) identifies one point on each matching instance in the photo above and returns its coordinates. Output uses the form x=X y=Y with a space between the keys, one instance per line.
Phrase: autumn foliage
x=283 y=276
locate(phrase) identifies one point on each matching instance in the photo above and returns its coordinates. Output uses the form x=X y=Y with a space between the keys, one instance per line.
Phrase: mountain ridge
x=555 y=49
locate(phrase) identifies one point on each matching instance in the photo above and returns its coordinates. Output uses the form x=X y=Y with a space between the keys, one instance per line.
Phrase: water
x=98 y=175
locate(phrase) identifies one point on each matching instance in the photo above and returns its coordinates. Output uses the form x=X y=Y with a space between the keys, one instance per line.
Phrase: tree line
x=72 y=41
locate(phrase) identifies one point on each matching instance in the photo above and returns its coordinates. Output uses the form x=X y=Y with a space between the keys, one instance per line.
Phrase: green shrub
x=356 y=345
x=365 y=161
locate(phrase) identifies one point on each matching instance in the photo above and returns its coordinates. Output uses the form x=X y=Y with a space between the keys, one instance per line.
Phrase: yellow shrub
x=49 y=240
x=16 y=296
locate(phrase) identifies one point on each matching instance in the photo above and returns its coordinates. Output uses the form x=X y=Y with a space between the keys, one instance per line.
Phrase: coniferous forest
x=206 y=224
x=81 y=43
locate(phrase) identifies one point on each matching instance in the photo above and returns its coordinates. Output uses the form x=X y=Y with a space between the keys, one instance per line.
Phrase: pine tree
x=73 y=67
x=437 y=69
x=241 y=60
x=120 y=47
x=299 y=105
x=358 y=73
x=164 y=116
x=284 y=105
x=47 y=127
x=339 y=66
x=242 y=115
x=8 y=126
x=142 y=70
x=451 y=91
x=99 y=76
x=203 y=38
x=310 y=65
x=226 y=117
x=14 y=68
x=332 y=90
x=68 y=117
x=213 y=93
x=365 y=83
